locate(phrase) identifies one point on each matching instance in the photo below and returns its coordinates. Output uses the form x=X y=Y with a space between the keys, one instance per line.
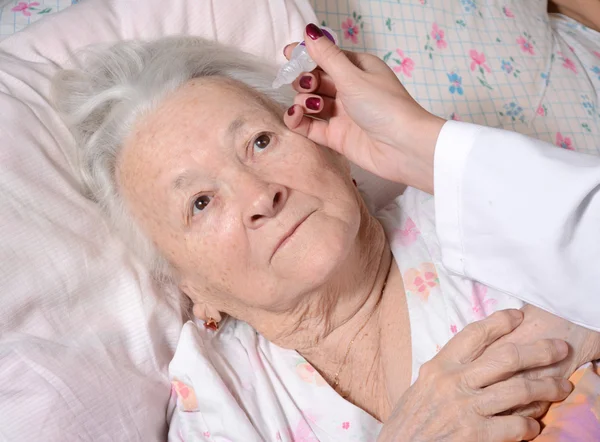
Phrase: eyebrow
x=235 y=126
x=184 y=179
x=181 y=181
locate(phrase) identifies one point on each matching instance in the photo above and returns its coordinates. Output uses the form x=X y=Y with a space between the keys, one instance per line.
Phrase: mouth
x=285 y=238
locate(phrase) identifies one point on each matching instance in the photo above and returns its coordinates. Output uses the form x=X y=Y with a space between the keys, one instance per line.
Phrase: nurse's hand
x=584 y=346
x=364 y=113
x=460 y=393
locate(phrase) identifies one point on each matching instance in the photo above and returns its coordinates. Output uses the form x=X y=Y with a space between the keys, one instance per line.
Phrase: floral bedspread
x=501 y=63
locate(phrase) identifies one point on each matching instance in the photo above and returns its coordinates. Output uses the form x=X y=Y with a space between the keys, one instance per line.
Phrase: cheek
x=326 y=170
x=216 y=252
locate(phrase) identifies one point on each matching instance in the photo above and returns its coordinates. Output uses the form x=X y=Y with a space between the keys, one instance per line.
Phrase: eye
x=200 y=203
x=262 y=141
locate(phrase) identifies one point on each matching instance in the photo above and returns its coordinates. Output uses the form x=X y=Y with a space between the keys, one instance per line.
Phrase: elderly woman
x=183 y=144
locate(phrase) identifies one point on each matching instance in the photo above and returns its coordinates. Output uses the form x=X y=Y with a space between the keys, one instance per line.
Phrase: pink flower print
x=481 y=306
x=409 y=234
x=438 y=35
x=420 y=281
x=478 y=59
x=541 y=111
x=25 y=7
x=596 y=53
x=569 y=64
x=206 y=434
x=308 y=373
x=303 y=433
x=564 y=142
x=453 y=329
x=508 y=12
x=454 y=116
x=405 y=64
x=350 y=30
x=345 y=425
x=185 y=395
x=526 y=45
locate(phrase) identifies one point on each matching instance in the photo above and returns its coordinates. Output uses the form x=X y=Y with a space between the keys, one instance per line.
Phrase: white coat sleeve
x=522 y=216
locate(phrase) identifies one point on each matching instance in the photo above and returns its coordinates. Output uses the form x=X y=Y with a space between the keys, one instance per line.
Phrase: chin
x=318 y=250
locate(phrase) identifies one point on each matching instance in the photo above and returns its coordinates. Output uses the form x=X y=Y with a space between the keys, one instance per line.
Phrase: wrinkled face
x=250 y=214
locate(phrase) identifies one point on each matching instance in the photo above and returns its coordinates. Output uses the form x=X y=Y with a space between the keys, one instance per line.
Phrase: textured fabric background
x=497 y=63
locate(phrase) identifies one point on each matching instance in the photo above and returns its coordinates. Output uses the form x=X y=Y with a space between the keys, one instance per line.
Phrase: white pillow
x=85 y=338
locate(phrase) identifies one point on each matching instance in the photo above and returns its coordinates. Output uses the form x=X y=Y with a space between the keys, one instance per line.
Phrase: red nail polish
x=313 y=31
x=305 y=81
x=313 y=103
x=291 y=110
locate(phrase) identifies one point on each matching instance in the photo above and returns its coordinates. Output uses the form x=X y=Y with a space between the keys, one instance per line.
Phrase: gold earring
x=211 y=324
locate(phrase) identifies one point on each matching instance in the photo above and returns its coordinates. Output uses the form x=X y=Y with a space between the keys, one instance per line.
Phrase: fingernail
x=313 y=103
x=313 y=31
x=285 y=47
x=291 y=110
x=305 y=81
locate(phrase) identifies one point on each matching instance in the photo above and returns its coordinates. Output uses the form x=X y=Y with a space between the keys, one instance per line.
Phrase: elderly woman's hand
x=584 y=346
x=365 y=113
x=461 y=392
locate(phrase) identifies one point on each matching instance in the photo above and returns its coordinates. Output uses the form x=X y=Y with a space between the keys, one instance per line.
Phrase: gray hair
x=112 y=87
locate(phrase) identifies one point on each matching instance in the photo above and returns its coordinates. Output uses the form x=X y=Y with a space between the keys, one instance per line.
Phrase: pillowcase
x=85 y=336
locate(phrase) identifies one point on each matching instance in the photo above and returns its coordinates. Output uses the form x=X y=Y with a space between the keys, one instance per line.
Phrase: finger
x=315 y=130
x=317 y=82
x=355 y=57
x=470 y=343
x=505 y=428
x=498 y=364
x=328 y=55
x=322 y=107
x=535 y=410
x=516 y=392
x=287 y=50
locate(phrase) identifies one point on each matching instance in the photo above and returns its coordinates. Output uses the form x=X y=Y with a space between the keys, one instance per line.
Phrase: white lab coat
x=522 y=216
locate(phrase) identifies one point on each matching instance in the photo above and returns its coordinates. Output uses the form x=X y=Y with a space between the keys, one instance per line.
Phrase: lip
x=290 y=232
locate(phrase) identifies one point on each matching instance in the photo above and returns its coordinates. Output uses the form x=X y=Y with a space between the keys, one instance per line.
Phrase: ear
x=204 y=312
x=202 y=309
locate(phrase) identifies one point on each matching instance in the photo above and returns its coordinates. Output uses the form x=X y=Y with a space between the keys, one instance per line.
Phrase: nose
x=264 y=202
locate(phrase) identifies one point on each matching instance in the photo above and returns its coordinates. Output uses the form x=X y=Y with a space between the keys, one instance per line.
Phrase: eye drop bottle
x=299 y=62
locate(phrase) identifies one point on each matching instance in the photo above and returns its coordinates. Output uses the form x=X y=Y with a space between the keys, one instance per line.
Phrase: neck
x=351 y=307
x=586 y=12
x=328 y=312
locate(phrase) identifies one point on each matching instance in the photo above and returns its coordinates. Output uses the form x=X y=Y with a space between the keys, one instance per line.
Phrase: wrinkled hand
x=460 y=392
x=584 y=346
x=364 y=113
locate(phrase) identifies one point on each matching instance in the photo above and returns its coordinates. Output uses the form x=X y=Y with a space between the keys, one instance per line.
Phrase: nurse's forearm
x=522 y=216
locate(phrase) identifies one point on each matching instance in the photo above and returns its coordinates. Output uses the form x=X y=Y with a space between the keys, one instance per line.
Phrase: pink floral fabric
x=501 y=63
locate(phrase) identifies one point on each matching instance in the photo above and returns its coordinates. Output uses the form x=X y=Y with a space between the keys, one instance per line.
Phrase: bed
x=85 y=334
